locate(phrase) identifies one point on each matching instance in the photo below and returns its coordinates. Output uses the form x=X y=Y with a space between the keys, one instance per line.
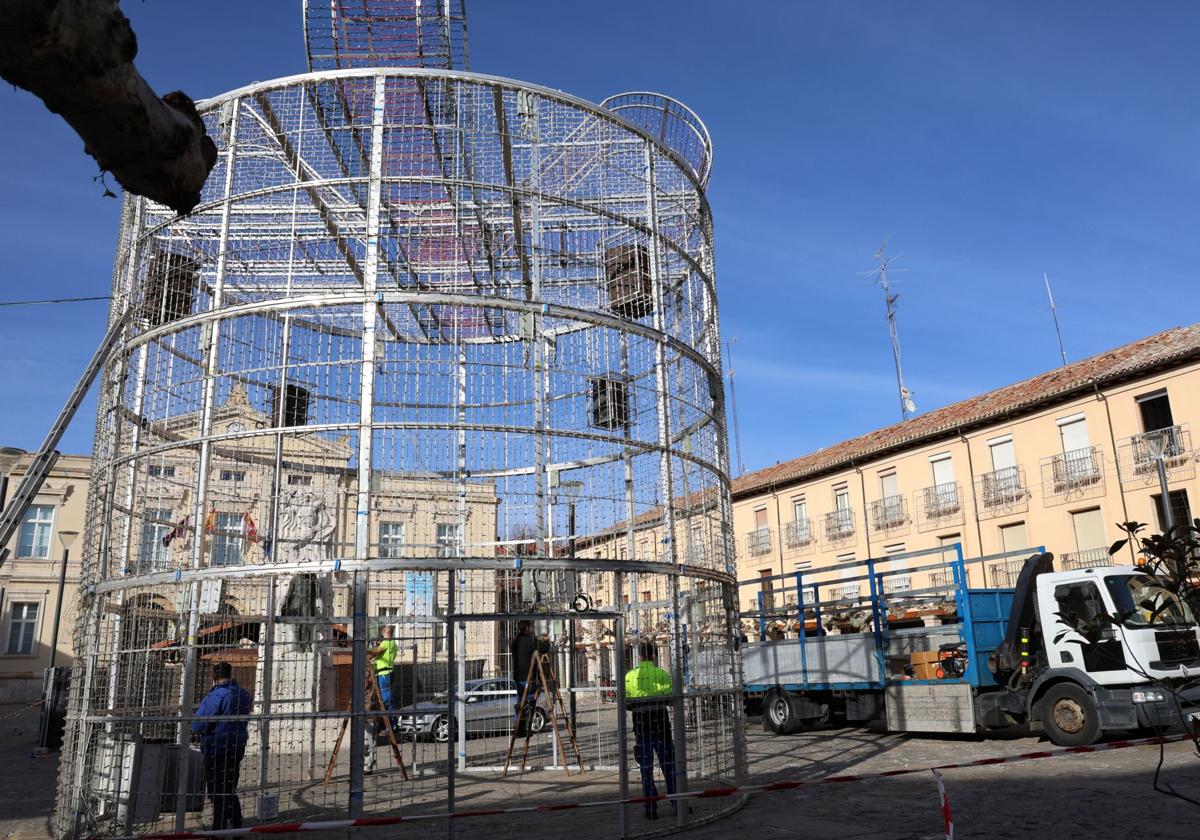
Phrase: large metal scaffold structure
x=430 y=339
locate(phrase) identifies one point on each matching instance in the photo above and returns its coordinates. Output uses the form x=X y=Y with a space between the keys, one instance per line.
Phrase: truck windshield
x=1147 y=601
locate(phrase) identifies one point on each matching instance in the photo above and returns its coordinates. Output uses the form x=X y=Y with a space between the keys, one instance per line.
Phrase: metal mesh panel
x=360 y=390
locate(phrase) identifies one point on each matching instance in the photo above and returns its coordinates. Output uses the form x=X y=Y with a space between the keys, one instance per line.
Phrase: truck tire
x=1069 y=715
x=780 y=713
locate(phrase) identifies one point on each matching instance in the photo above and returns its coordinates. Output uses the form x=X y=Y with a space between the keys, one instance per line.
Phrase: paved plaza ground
x=1087 y=796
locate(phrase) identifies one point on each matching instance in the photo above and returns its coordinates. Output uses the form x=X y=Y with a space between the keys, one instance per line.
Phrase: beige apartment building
x=1057 y=460
x=30 y=576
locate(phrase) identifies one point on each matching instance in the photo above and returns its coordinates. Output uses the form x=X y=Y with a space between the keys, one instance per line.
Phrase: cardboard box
x=923 y=657
x=925 y=671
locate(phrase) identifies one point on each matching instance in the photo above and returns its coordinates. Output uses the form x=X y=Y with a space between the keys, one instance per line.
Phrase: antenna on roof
x=737 y=434
x=1054 y=315
x=907 y=407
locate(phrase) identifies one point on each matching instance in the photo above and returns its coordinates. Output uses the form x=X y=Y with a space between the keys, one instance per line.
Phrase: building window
x=1156 y=411
x=1088 y=526
x=1181 y=510
x=226 y=540
x=1003 y=453
x=233 y=475
x=391 y=540
x=894 y=548
x=1013 y=537
x=152 y=554
x=160 y=471
x=802 y=565
x=841 y=497
x=1078 y=459
x=897 y=583
x=299 y=480
x=1013 y=541
x=889 y=484
x=35 y=532
x=800 y=509
x=449 y=539
x=947 y=544
x=22 y=628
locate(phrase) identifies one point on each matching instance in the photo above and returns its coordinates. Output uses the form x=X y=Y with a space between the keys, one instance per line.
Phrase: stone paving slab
x=1086 y=796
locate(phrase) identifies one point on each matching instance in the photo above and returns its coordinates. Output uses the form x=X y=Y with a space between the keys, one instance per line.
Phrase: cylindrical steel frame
x=433 y=343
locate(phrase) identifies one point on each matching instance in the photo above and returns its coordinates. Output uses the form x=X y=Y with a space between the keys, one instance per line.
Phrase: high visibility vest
x=647 y=680
x=387 y=657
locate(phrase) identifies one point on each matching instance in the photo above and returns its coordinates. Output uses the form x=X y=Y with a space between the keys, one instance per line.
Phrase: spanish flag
x=210 y=521
x=249 y=529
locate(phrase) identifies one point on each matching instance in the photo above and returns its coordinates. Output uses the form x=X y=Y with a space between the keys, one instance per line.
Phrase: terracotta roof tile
x=1164 y=349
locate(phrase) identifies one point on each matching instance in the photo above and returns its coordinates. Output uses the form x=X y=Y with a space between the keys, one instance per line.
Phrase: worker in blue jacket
x=223 y=744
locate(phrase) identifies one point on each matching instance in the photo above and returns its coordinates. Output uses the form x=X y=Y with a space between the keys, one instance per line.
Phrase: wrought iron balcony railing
x=758 y=541
x=1077 y=474
x=941 y=499
x=1139 y=455
x=1084 y=559
x=889 y=513
x=1002 y=492
x=798 y=533
x=839 y=524
x=940 y=504
x=1001 y=487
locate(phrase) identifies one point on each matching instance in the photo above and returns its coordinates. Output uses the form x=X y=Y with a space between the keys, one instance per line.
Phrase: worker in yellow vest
x=647 y=692
x=383 y=659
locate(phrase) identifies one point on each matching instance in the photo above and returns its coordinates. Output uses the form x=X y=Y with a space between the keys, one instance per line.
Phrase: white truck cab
x=1111 y=683
x=1158 y=638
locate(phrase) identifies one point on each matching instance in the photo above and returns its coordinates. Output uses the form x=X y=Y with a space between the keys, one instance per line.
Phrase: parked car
x=490 y=707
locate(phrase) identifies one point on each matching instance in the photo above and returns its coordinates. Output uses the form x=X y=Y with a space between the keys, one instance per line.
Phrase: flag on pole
x=175 y=533
x=249 y=530
x=210 y=521
x=947 y=817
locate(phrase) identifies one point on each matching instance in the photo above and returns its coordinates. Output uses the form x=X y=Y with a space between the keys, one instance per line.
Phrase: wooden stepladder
x=538 y=668
x=373 y=698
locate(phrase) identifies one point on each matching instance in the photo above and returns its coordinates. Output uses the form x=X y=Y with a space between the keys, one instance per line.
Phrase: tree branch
x=77 y=57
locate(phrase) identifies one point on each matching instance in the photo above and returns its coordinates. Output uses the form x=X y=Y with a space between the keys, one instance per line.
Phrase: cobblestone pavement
x=1094 y=796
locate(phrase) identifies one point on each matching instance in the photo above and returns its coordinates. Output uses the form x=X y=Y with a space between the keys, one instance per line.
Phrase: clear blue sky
x=989 y=142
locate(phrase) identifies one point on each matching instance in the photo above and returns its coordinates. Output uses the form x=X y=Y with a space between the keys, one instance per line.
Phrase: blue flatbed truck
x=1001 y=656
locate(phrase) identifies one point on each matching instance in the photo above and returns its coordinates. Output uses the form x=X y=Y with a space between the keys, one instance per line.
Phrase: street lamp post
x=49 y=685
x=67 y=538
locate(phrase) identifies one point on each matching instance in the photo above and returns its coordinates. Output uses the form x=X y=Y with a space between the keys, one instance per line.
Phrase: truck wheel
x=780 y=712
x=1069 y=716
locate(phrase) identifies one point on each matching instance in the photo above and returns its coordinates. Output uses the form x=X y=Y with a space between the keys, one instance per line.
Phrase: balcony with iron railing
x=1139 y=456
x=1084 y=559
x=839 y=525
x=889 y=515
x=1077 y=474
x=798 y=533
x=758 y=541
x=1002 y=492
x=939 y=504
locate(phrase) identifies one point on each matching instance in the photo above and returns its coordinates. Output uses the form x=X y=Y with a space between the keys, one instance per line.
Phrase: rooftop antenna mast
x=737 y=434
x=907 y=407
x=1054 y=314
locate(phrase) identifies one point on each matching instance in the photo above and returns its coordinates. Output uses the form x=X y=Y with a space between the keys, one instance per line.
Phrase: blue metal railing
x=878 y=598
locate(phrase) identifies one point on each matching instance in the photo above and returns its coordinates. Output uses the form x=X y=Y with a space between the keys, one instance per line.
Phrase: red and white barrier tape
x=709 y=793
x=22 y=710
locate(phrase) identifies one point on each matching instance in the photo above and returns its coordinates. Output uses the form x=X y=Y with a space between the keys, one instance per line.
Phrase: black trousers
x=221 y=771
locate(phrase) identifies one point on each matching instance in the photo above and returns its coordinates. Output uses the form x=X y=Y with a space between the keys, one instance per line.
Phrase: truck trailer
x=979 y=659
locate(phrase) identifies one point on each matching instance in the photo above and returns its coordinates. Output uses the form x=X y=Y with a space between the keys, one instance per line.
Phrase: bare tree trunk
x=77 y=57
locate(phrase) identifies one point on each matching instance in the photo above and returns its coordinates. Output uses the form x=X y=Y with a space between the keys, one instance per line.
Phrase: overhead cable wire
x=53 y=300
